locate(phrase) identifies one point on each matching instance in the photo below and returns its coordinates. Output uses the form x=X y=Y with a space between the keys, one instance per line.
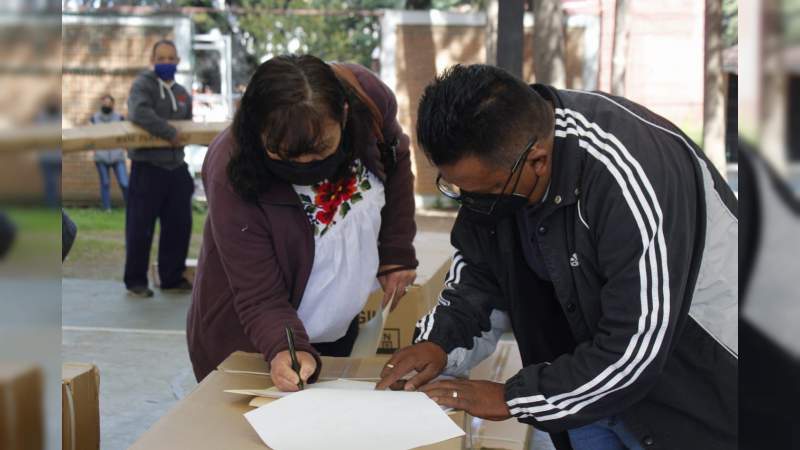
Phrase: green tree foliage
x=349 y=35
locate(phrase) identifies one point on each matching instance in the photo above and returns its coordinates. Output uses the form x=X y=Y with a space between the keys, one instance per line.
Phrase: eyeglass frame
x=460 y=198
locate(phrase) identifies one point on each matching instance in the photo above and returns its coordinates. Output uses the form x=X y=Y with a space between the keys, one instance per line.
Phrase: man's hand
x=283 y=377
x=179 y=140
x=395 y=282
x=478 y=398
x=427 y=358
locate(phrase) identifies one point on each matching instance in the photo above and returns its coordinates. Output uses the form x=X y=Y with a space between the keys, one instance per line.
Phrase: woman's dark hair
x=284 y=108
x=480 y=110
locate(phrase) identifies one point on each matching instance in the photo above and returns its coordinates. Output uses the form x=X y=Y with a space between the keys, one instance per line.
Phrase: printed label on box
x=390 y=342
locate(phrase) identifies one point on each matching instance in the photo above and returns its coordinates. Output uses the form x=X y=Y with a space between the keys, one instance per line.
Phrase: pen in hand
x=293 y=354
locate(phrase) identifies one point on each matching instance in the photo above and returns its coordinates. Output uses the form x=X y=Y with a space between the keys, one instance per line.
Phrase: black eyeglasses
x=484 y=203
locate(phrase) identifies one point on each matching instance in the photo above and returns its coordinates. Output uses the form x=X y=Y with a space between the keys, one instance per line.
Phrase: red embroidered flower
x=330 y=196
x=325 y=216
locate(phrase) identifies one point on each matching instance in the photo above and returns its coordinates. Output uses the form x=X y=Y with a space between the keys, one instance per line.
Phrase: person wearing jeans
x=104 y=170
x=606 y=434
x=110 y=160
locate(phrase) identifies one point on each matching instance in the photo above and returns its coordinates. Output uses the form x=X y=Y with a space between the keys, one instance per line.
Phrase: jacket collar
x=567 y=161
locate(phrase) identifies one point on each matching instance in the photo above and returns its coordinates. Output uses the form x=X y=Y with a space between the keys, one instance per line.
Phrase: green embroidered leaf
x=325 y=230
x=365 y=186
x=356 y=198
x=305 y=198
x=345 y=208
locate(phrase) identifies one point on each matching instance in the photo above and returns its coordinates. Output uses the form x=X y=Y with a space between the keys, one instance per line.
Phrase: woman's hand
x=283 y=377
x=395 y=283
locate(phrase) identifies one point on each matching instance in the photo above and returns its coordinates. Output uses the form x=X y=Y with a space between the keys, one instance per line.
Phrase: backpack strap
x=388 y=150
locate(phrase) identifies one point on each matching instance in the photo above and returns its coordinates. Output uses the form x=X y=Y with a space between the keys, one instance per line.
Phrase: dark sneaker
x=140 y=291
x=182 y=286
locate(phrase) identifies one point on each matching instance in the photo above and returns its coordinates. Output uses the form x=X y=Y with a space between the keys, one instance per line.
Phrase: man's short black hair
x=162 y=42
x=483 y=111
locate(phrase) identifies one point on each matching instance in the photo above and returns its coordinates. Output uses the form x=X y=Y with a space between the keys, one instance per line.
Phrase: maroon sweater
x=255 y=262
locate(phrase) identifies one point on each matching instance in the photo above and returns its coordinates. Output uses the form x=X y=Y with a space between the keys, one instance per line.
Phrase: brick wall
x=98 y=60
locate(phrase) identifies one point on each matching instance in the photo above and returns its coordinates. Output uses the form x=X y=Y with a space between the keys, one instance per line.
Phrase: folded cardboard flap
x=80 y=407
x=418 y=301
x=254 y=364
x=21 y=417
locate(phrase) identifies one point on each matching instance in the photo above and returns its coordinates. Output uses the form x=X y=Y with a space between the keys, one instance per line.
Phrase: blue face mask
x=166 y=71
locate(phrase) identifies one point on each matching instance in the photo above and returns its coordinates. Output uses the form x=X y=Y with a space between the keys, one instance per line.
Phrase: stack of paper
x=351 y=418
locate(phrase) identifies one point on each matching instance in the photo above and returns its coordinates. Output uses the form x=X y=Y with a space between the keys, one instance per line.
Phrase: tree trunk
x=774 y=88
x=492 y=19
x=510 y=38
x=548 y=43
x=714 y=98
x=620 y=52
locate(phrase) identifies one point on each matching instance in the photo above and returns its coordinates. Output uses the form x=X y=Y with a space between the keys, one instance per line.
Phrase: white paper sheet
x=336 y=419
x=369 y=335
x=340 y=384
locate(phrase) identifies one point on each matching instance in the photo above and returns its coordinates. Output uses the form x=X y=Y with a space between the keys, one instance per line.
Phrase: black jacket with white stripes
x=639 y=237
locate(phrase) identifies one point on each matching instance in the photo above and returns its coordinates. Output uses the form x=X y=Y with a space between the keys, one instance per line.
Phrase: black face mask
x=489 y=209
x=306 y=174
x=106 y=109
x=478 y=207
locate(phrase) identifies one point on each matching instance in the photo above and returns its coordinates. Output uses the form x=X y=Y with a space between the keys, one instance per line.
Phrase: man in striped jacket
x=606 y=240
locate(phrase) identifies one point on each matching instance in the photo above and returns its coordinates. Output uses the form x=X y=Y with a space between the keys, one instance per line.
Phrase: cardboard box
x=211 y=419
x=80 y=407
x=21 y=414
x=29 y=138
x=189 y=273
x=509 y=434
x=125 y=135
x=418 y=301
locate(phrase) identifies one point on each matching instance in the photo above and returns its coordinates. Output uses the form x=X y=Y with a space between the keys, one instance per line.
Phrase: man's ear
x=539 y=158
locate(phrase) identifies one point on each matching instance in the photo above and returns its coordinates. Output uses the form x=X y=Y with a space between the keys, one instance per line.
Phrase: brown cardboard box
x=211 y=419
x=29 y=138
x=399 y=328
x=21 y=417
x=126 y=134
x=80 y=407
x=509 y=434
x=254 y=364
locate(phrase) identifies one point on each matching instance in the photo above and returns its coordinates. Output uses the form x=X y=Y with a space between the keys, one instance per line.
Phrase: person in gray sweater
x=160 y=184
x=111 y=160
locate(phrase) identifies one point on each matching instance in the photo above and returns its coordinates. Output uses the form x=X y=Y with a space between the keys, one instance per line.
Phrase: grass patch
x=36 y=249
x=93 y=219
x=99 y=250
